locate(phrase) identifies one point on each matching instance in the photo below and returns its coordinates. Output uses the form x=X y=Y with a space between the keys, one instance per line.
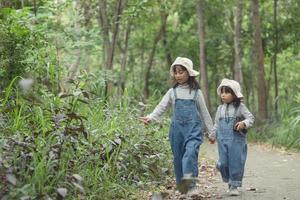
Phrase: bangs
x=226 y=89
x=179 y=67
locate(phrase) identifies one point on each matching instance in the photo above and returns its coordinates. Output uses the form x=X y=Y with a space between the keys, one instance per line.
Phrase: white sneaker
x=233 y=191
x=185 y=183
x=193 y=191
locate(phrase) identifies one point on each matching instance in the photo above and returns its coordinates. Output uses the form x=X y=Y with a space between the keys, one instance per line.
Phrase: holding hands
x=211 y=140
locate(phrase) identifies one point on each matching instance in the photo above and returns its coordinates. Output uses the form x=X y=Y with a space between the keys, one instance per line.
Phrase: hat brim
x=237 y=94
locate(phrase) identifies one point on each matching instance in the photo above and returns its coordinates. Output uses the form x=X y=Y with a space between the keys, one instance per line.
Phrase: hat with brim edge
x=185 y=62
x=234 y=85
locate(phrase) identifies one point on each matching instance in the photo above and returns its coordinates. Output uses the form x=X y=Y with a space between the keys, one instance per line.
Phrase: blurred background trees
x=93 y=66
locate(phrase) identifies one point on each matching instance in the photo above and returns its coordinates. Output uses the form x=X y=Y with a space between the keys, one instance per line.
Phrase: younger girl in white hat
x=190 y=117
x=231 y=123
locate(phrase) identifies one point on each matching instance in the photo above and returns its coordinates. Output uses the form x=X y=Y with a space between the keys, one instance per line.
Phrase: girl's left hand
x=146 y=120
x=240 y=126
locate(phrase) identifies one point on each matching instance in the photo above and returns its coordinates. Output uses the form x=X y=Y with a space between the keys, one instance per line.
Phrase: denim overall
x=185 y=137
x=232 y=148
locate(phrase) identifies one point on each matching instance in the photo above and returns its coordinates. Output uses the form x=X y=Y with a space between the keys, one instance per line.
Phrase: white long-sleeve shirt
x=183 y=92
x=243 y=111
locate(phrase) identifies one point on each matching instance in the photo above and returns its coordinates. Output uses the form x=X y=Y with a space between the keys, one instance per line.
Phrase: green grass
x=119 y=157
x=282 y=133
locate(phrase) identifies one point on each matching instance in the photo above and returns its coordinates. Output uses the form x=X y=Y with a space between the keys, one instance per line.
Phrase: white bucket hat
x=234 y=85
x=185 y=62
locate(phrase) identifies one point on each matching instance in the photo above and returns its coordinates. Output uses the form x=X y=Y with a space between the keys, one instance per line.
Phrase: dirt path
x=270 y=174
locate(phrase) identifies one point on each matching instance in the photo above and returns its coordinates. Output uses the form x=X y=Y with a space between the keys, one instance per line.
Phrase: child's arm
x=212 y=137
x=249 y=118
x=206 y=118
x=159 y=109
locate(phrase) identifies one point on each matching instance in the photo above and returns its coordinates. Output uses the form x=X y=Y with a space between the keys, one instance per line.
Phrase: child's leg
x=222 y=163
x=177 y=142
x=190 y=159
x=191 y=151
x=237 y=160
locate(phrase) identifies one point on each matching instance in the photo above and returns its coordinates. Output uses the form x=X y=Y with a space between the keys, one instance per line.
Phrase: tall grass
x=285 y=132
x=44 y=145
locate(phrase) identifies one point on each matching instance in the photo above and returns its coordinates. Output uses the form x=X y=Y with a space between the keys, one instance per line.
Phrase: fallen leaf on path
x=251 y=188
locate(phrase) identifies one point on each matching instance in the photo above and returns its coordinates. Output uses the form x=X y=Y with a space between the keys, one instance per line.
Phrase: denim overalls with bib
x=185 y=137
x=232 y=146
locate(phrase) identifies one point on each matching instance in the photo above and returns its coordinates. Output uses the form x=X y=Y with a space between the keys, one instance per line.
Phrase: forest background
x=77 y=74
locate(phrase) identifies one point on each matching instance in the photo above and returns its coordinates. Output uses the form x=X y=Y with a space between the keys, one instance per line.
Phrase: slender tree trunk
x=158 y=36
x=104 y=23
x=109 y=45
x=86 y=10
x=275 y=56
x=142 y=59
x=35 y=7
x=259 y=61
x=74 y=68
x=166 y=47
x=9 y=4
x=202 y=56
x=124 y=60
x=59 y=51
x=238 y=76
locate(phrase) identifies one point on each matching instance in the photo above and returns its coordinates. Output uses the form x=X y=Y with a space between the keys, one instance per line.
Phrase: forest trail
x=269 y=174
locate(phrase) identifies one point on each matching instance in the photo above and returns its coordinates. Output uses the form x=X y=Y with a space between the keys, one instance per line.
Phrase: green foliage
x=24 y=52
x=14 y=37
x=78 y=133
x=281 y=133
x=73 y=143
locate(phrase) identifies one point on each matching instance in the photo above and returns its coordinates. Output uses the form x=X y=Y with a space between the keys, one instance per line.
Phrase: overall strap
x=175 y=94
x=236 y=111
x=195 y=95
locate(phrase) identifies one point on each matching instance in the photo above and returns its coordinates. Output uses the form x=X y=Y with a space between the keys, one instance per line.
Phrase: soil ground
x=269 y=174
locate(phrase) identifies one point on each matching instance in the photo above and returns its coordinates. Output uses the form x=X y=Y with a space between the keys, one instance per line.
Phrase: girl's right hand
x=145 y=120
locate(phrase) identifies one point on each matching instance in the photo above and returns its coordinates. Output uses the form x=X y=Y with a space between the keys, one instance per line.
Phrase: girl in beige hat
x=232 y=120
x=190 y=117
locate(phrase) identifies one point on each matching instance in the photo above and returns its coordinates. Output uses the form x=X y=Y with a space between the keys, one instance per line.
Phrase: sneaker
x=233 y=191
x=185 y=184
x=229 y=186
x=218 y=164
x=193 y=191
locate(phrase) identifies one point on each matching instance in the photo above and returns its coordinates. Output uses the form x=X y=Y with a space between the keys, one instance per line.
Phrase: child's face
x=226 y=97
x=181 y=74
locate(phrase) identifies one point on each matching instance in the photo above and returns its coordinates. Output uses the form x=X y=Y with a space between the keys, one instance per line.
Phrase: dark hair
x=236 y=101
x=192 y=82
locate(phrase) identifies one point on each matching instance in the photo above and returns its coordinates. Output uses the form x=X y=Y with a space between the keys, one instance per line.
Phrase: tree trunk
x=109 y=45
x=158 y=36
x=124 y=60
x=35 y=7
x=238 y=76
x=166 y=47
x=275 y=56
x=259 y=61
x=105 y=26
x=202 y=56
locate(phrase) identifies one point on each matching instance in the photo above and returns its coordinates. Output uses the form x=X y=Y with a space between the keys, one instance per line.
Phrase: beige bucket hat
x=234 y=85
x=185 y=62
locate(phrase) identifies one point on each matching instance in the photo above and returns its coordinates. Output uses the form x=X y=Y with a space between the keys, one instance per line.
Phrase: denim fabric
x=185 y=137
x=232 y=148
